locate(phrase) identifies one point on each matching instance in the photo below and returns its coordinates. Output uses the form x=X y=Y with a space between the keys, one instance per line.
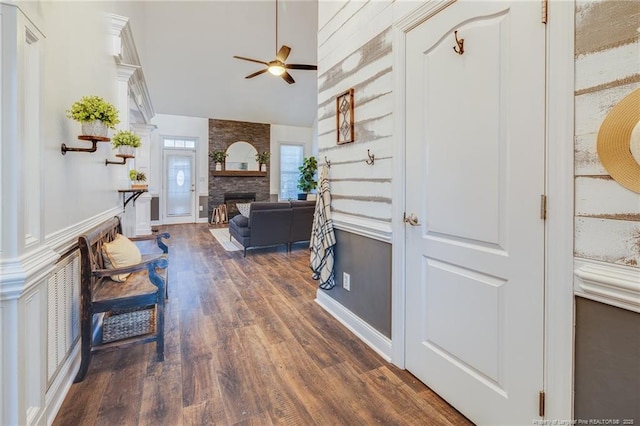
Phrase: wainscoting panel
x=63 y=302
x=368 y=262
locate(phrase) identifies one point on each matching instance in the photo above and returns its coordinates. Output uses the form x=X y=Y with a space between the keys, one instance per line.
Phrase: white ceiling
x=186 y=50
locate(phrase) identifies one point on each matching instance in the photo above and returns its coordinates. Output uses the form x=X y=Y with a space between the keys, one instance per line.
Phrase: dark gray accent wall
x=368 y=262
x=607 y=362
x=203 y=202
x=155 y=208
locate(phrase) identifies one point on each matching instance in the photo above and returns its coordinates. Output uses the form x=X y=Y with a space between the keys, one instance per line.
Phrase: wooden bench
x=144 y=291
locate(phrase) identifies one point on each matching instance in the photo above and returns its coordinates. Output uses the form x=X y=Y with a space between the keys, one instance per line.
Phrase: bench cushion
x=119 y=253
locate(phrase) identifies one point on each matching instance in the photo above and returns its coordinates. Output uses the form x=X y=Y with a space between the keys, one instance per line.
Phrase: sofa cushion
x=240 y=221
x=244 y=208
x=296 y=204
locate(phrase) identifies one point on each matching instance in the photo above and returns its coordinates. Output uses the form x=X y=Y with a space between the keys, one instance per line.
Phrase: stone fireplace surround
x=222 y=133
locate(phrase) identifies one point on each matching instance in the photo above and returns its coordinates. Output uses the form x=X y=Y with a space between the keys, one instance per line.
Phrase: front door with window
x=475 y=138
x=179 y=186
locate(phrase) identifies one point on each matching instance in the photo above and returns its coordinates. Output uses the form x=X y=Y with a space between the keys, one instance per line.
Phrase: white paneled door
x=475 y=173
x=179 y=186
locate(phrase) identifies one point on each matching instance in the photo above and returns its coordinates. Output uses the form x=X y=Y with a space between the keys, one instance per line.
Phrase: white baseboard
x=380 y=343
x=58 y=390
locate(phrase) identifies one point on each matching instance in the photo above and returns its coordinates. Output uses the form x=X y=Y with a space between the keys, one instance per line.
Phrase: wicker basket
x=128 y=323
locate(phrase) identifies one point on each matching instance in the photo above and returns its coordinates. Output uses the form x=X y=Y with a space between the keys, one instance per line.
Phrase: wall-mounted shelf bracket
x=123 y=161
x=135 y=194
x=93 y=139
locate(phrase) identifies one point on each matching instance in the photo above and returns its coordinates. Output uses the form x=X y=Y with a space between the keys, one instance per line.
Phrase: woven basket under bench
x=118 y=325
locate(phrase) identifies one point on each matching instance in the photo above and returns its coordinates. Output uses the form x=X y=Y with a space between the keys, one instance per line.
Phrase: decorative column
x=142 y=164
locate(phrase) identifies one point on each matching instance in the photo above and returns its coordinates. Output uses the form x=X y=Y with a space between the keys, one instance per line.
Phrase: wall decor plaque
x=344 y=117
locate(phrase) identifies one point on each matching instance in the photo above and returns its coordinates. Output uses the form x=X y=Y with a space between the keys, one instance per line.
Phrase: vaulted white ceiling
x=186 y=50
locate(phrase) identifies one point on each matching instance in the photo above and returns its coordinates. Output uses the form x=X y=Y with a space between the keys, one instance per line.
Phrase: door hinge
x=545 y=4
x=543 y=207
x=541 y=404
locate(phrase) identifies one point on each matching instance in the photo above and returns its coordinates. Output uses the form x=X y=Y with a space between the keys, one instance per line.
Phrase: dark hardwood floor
x=247 y=344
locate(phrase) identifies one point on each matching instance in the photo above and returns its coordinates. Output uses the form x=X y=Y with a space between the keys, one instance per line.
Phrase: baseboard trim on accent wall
x=616 y=285
x=372 y=337
x=57 y=392
x=369 y=228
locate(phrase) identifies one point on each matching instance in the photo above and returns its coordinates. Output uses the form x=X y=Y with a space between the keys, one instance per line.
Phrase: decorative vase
x=127 y=150
x=263 y=167
x=218 y=166
x=94 y=128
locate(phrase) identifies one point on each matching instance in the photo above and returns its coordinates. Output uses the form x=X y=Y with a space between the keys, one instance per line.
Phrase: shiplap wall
x=607 y=58
x=355 y=51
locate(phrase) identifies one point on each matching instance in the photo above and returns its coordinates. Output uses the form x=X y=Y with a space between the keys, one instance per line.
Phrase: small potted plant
x=218 y=157
x=307 y=181
x=262 y=160
x=126 y=141
x=138 y=179
x=95 y=114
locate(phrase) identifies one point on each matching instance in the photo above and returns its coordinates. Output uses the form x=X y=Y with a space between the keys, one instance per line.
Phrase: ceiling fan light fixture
x=276 y=69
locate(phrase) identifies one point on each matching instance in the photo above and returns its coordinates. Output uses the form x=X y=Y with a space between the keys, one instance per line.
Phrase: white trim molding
x=65 y=239
x=369 y=228
x=616 y=285
x=380 y=343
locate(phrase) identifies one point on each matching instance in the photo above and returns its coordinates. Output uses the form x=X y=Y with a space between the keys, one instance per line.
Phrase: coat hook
x=327 y=162
x=459 y=49
x=372 y=158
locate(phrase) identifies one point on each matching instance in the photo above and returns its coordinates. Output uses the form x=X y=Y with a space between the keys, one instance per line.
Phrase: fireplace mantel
x=239 y=173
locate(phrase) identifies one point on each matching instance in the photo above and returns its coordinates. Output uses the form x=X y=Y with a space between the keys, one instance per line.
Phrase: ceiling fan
x=278 y=66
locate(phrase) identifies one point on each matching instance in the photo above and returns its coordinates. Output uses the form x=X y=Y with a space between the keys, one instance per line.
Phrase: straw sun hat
x=618 y=153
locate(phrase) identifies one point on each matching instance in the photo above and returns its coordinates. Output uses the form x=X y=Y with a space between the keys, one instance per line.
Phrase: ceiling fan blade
x=300 y=67
x=250 y=60
x=256 y=73
x=283 y=53
x=287 y=77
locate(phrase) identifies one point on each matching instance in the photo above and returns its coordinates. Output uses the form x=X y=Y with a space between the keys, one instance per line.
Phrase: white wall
x=48 y=199
x=289 y=135
x=175 y=125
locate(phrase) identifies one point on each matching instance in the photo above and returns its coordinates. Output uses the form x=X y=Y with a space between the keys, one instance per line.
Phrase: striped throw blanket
x=323 y=238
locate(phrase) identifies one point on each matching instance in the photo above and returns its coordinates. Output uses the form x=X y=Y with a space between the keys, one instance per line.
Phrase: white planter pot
x=127 y=150
x=94 y=128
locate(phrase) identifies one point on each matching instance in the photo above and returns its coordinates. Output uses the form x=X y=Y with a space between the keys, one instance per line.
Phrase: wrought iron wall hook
x=327 y=162
x=372 y=158
x=459 y=49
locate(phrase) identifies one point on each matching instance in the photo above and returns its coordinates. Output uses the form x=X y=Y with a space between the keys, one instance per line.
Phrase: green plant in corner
x=307 y=181
x=91 y=108
x=125 y=138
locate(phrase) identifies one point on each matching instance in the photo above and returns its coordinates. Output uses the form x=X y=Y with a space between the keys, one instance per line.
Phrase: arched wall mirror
x=241 y=156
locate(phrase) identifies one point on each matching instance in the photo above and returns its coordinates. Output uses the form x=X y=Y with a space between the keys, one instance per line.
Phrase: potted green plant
x=307 y=180
x=138 y=179
x=95 y=114
x=126 y=141
x=218 y=157
x=263 y=159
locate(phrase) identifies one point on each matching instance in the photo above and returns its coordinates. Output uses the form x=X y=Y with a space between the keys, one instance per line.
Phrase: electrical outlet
x=346 y=281
x=201 y=208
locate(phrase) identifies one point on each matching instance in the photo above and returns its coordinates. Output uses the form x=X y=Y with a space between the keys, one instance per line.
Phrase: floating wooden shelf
x=124 y=159
x=239 y=173
x=93 y=139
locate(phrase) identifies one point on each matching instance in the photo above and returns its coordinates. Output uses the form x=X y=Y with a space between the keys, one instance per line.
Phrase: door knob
x=412 y=219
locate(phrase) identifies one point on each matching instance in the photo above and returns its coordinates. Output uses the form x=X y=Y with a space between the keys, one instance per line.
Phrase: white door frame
x=559 y=304
x=163 y=184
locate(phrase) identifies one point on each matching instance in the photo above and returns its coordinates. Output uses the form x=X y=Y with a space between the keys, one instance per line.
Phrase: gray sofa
x=271 y=224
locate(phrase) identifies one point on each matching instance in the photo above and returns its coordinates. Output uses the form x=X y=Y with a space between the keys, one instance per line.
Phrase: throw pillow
x=119 y=253
x=244 y=208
